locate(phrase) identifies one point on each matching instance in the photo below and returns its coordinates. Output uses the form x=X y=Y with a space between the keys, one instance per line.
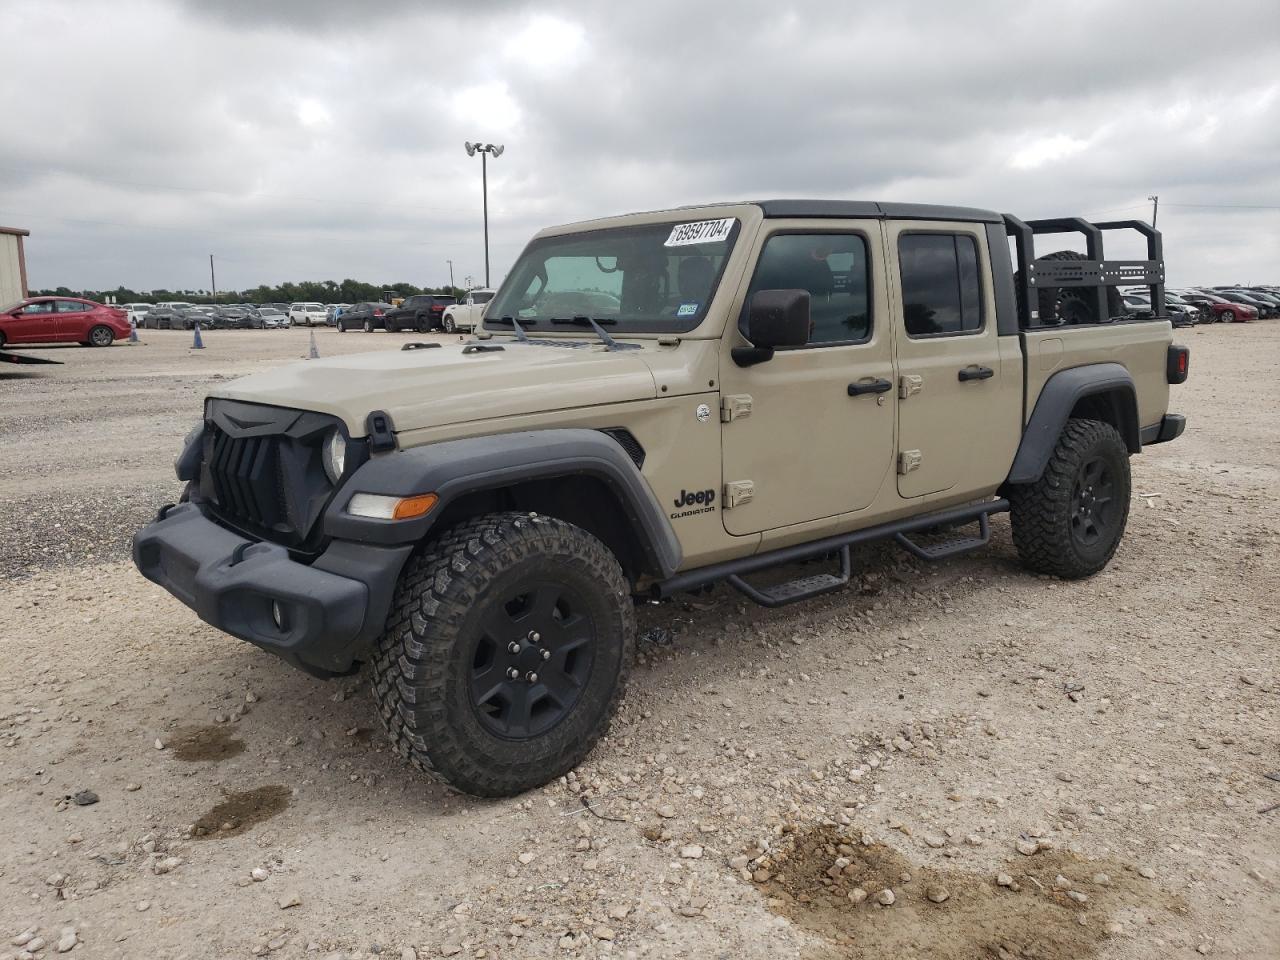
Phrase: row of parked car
x=422 y=313
x=1187 y=306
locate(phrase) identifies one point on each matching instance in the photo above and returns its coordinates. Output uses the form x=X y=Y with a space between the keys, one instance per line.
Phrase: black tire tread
x=435 y=592
x=1039 y=511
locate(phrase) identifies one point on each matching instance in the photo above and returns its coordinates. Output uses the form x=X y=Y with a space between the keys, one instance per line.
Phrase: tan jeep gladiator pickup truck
x=656 y=403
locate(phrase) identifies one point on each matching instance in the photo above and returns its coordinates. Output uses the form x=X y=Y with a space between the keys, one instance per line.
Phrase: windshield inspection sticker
x=686 y=310
x=704 y=231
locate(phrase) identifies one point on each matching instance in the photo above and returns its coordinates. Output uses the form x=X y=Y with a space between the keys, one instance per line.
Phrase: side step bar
x=735 y=570
x=948 y=548
x=801 y=588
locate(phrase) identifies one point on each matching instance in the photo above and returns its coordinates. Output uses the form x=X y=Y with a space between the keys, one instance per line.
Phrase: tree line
x=306 y=291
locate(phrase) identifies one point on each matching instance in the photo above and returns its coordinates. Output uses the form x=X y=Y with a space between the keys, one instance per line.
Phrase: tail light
x=377 y=313
x=1178 y=364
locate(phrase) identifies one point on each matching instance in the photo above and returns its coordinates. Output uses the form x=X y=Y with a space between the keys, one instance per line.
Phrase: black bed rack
x=1095 y=271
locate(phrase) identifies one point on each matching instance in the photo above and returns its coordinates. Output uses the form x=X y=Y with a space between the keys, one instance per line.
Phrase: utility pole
x=213 y=283
x=452 y=288
x=1155 y=208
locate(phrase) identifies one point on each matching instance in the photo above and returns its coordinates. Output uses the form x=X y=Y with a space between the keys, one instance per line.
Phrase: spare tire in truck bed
x=1067 y=306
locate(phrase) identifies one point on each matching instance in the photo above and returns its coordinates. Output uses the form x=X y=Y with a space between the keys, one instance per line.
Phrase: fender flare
x=1053 y=408
x=453 y=468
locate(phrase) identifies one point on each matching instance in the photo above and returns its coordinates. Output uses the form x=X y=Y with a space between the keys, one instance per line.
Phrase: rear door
x=958 y=406
x=796 y=437
x=73 y=320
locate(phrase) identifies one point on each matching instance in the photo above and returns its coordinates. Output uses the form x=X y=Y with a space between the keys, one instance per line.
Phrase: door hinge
x=738 y=492
x=908 y=384
x=736 y=407
x=909 y=460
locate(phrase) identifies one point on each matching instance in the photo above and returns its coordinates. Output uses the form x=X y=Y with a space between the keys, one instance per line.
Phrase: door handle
x=879 y=385
x=976 y=372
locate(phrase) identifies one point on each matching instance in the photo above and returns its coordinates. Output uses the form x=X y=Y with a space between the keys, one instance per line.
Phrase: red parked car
x=62 y=320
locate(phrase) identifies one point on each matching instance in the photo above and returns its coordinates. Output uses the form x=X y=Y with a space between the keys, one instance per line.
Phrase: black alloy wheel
x=1093 y=511
x=532 y=659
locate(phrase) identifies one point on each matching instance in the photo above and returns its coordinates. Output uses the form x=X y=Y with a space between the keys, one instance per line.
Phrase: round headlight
x=335 y=456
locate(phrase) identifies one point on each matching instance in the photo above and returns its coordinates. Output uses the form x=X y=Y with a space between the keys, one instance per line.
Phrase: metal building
x=13 y=265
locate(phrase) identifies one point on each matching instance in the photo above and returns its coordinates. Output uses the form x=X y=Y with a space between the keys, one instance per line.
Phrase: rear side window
x=833 y=268
x=941 y=289
x=72 y=306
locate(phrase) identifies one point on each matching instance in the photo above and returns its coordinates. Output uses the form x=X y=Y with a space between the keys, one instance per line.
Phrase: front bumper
x=331 y=610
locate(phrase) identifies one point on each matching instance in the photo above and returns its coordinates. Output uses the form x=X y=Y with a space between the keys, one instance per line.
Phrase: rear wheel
x=368 y=326
x=505 y=652
x=2 y=339
x=1070 y=522
x=101 y=336
x=448 y=324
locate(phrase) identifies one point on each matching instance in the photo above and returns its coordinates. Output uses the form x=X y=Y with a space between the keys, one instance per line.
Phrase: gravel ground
x=951 y=761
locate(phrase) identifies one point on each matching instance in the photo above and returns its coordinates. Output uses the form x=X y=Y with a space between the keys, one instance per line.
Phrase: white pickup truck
x=466 y=315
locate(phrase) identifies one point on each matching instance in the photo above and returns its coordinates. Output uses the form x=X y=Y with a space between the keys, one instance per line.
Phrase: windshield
x=655 y=278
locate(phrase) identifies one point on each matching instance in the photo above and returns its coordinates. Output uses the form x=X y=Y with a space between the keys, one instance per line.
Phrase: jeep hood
x=445 y=385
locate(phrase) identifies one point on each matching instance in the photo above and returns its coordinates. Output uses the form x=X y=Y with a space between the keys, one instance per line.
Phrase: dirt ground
x=949 y=761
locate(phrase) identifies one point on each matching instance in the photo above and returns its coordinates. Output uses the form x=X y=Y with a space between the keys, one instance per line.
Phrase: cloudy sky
x=323 y=139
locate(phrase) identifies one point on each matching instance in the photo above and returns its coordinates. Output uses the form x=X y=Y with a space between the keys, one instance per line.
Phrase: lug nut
x=546 y=654
x=513 y=673
x=534 y=636
x=513 y=647
x=531 y=677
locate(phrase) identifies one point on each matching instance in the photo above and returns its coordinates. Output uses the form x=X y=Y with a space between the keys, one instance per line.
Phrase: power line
x=1225 y=206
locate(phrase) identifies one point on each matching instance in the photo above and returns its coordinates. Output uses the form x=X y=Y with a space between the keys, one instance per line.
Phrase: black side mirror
x=775 y=318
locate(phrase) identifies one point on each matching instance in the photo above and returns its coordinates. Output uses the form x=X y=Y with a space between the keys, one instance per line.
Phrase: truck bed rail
x=1035 y=273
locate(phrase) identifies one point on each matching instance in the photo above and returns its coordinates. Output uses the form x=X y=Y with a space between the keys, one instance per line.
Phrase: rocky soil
x=946 y=761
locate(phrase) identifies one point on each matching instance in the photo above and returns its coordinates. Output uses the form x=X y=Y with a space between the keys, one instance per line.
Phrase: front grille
x=246 y=479
x=263 y=470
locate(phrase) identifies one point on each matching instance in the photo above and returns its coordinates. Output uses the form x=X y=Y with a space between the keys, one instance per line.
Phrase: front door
x=958 y=407
x=38 y=323
x=810 y=448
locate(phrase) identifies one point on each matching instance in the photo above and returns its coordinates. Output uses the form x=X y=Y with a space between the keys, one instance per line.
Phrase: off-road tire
x=426 y=660
x=1046 y=517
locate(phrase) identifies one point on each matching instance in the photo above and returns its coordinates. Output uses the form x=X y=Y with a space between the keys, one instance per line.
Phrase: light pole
x=484 y=149
x=452 y=288
x=1155 y=208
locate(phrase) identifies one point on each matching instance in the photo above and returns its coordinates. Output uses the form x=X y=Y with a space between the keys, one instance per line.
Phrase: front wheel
x=342 y=327
x=505 y=653
x=1070 y=521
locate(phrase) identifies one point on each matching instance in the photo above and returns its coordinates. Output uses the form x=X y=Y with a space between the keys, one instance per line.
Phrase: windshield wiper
x=515 y=325
x=581 y=321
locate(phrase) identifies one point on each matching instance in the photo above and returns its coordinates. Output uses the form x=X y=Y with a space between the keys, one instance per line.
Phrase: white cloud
x=1046 y=150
